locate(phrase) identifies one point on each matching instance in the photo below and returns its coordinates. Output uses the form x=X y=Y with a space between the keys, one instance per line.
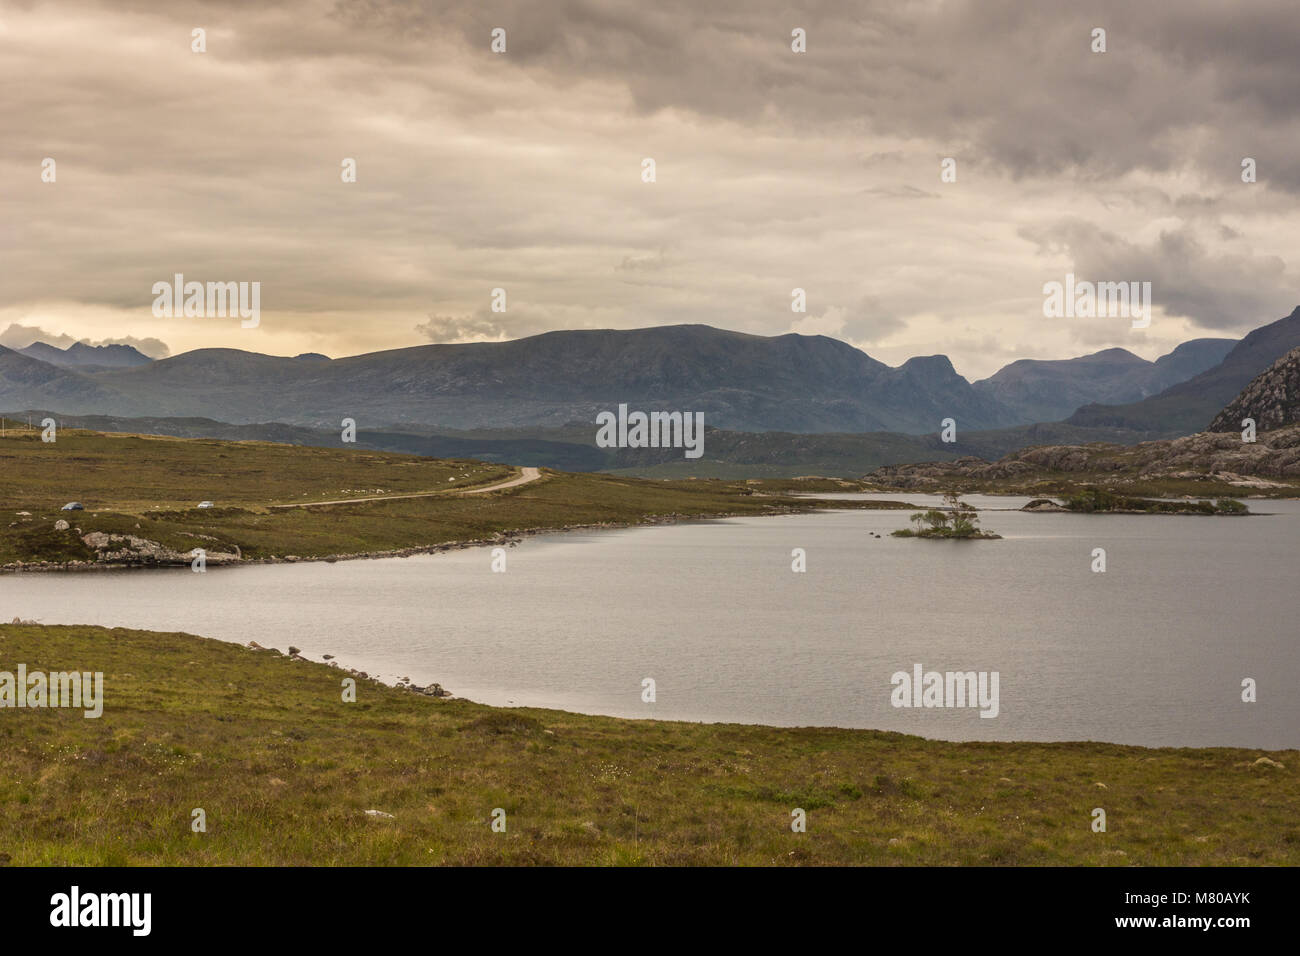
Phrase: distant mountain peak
x=929 y=368
x=81 y=355
x=1114 y=354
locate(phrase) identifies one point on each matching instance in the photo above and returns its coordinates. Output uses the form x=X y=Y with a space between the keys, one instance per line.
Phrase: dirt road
x=524 y=477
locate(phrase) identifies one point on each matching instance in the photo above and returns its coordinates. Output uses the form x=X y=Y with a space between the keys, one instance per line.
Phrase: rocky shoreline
x=151 y=555
x=404 y=683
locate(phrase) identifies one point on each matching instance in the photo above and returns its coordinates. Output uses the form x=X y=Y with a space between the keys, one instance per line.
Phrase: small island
x=959 y=521
x=1090 y=500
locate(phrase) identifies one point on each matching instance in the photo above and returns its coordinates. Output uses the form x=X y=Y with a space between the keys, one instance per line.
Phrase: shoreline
x=448 y=696
x=445 y=696
x=500 y=537
x=1039 y=494
x=220 y=560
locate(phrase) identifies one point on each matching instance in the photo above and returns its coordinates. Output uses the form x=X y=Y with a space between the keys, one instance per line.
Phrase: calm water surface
x=1151 y=652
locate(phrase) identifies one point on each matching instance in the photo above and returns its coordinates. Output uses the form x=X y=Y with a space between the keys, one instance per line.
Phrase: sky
x=523 y=170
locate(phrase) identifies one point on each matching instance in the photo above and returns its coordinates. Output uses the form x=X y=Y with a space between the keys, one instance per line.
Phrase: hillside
x=1272 y=399
x=44 y=385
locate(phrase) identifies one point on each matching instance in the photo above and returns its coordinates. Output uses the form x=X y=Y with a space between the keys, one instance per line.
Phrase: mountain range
x=1044 y=391
x=87 y=357
x=1189 y=406
x=742 y=383
x=1272 y=398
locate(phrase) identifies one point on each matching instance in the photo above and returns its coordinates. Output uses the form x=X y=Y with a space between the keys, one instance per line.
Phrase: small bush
x=503 y=723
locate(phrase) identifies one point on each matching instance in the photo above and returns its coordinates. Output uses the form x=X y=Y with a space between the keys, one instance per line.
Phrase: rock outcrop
x=131 y=550
x=1223 y=456
x=1272 y=399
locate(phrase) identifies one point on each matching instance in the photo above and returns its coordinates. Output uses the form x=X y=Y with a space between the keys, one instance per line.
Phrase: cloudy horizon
x=774 y=170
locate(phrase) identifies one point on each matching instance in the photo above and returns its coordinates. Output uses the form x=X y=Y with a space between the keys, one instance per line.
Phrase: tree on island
x=960 y=520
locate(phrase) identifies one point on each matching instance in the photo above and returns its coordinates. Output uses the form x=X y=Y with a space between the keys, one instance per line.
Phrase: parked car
x=206 y=504
x=73 y=506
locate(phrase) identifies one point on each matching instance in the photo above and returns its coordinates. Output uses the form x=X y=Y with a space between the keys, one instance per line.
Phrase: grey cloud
x=869 y=321
x=652 y=262
x=904 y=191
x=484 y=325
x=446 y=329
x=18 y=336
x=152 y=347
x=1226 y=292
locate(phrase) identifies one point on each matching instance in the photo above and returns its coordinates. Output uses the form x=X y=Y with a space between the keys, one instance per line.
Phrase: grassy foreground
x=285 y=771
x=147 y=487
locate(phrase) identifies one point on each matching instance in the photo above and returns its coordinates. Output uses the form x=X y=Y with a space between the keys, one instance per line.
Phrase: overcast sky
x=775 y=169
